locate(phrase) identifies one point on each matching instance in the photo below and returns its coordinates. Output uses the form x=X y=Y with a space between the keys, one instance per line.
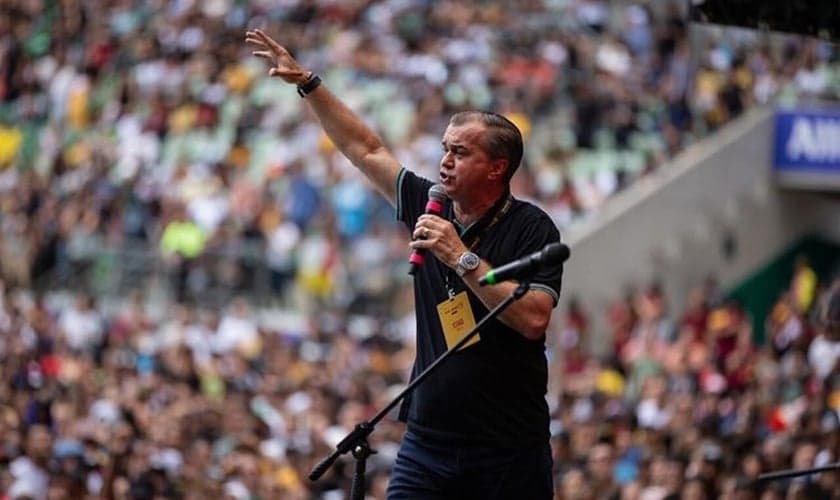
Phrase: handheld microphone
x=552 y=255
x=437 y=197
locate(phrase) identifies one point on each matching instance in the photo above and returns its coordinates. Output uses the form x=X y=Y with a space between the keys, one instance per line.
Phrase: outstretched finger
x=250 y=38
x=262 y=53
x=268 y=40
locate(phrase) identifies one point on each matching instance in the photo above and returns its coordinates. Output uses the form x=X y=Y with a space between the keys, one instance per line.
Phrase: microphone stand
x=356 y=441
x=785 y=474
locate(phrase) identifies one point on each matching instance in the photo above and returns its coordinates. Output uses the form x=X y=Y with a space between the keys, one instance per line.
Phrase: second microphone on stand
x=554 y=254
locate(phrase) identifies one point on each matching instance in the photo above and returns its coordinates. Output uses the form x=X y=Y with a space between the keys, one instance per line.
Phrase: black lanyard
x=480 y=229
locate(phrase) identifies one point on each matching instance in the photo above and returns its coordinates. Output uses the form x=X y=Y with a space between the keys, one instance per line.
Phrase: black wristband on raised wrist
x=309 y=85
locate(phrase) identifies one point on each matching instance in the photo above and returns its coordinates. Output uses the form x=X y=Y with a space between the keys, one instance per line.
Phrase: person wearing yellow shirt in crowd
x=181 y=242
x=803 y=285
x=10 y=142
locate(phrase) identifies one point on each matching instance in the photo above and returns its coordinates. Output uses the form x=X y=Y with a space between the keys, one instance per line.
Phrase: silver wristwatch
x=467 y=262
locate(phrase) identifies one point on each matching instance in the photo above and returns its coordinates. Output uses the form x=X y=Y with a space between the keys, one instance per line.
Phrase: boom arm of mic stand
x=360 y=433
x=784 y=474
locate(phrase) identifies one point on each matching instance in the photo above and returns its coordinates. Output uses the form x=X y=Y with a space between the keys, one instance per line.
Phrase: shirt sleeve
x=538 y=232
x=412 y=193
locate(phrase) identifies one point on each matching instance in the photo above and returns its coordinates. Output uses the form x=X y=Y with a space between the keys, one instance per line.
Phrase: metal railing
x=212 y=279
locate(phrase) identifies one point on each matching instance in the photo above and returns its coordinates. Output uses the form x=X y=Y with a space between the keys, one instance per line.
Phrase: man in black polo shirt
x=478 y=426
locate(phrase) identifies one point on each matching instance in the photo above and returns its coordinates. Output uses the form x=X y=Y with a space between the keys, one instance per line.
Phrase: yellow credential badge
x=456 y=318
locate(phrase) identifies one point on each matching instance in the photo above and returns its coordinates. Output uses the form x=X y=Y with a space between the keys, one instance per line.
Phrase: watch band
x=311 y=83
x=467 y=262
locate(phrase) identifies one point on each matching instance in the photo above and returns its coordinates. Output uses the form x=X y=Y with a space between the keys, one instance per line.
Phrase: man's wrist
x=304 y=77
x=310 y=83
x=467 y=263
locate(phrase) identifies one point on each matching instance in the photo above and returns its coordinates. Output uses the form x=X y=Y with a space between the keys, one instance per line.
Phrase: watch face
x=469 y=261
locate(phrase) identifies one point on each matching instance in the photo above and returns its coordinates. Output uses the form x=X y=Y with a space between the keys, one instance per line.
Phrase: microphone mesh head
x=555 y=253
x=437 y=193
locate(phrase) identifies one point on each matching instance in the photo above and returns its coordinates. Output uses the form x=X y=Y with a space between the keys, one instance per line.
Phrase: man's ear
x=498 y=168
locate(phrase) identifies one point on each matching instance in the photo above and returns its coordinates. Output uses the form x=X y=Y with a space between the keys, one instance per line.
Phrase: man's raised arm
x=351 y=136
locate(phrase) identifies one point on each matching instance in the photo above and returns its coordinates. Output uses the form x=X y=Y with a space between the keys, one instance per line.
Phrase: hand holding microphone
x=437 y=197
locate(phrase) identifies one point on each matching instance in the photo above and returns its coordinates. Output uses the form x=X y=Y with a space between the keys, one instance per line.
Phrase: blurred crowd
x=101 y=402
x=193 y=404
x=145 y=129
x=690 y=404
x=147 y=126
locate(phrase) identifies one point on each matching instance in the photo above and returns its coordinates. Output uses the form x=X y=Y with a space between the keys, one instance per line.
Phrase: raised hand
x=283 y=64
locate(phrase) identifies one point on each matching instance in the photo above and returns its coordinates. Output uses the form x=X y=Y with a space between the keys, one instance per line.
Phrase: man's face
x=465 y=167
x=600 y=462
x=39 y=442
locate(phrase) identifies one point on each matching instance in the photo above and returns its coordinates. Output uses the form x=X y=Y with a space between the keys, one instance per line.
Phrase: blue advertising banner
x=806 y=147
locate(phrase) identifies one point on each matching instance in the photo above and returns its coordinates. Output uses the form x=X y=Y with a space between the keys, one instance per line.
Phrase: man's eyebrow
x=453 y=147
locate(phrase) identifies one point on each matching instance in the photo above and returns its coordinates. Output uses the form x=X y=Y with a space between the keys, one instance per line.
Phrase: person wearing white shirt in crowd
x=824 y=352
x=82 y=324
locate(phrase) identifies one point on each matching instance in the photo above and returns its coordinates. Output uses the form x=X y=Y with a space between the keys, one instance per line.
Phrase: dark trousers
x=426 y=470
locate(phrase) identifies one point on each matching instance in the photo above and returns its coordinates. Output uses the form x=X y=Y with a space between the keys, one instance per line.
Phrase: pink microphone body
x=437 y=197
